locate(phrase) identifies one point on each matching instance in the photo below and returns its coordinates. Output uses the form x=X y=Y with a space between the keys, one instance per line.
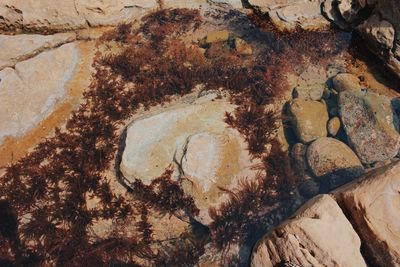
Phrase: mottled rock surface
x=371 y=125
x=318 y=235
x=373 y=205
x=346 y=82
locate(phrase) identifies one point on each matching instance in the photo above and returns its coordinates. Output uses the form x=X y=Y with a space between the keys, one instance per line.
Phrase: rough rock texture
x=309 y=92
x=370 y=124
x=30 y=92
x=292 y=14
x=346 y=82
x=309 y=119
x=193 y=138
x=373 y=204
x=318 y=235
x=70 y=14
x=378 y=22
x=15 y=48
x=333 y=162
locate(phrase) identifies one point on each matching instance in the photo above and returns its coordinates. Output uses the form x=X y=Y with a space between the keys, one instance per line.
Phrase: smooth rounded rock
x=309 y=119
x=346 y=82
x=333 y=162
x=333 y=126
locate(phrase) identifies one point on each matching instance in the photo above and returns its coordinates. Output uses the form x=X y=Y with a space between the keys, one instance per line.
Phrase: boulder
x=309 y=119
x=346 y=82
x=373 y=206
x=205 y=153
x=349 y=9
x=333 y=162
x=20 y=47
x=318 y=235
x=30 y=92
x=378 y=33
x=371 y=125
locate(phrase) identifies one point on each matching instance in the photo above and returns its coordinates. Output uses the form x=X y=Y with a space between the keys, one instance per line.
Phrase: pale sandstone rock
x=23 y=46
x=371 y=125
x=306 y=15
x=196 y=141
x=318 y=235
x=373 y=206
x=309 y=119
x=70 y=14
x=313 y=92
x=211 y=161
x=30 y=93
x=216 y=36
x=333 y=162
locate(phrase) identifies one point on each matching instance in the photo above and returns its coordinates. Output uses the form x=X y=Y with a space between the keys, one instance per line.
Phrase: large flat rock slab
x=50 y=15
x=20 y=47
x=319 y=234
x=195 y=140
x=373 y=205
x=30 y=92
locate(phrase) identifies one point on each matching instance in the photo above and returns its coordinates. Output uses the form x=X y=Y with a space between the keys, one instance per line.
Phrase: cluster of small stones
x=342 y=130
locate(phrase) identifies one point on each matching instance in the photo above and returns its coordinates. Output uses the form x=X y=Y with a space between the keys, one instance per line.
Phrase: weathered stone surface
x=333 y=126
x=299 y=162
x=314 y=92
x=69 y=14
x=370 y=124
x=305 y=15
x=378 y=33
x=20 y=47
x=349 y=9
x=346 y=82
x=309 y=119
x=30 y=92
x=318 y=235
x=373 y=204
x=333 y=162
x=195 y=139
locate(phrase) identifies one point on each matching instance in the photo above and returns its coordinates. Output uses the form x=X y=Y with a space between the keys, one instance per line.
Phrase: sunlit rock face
x=319 y=234
x=194 y=139
x=30 y=92
x=293 y=14
x=63 y=15
x=373 y=204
